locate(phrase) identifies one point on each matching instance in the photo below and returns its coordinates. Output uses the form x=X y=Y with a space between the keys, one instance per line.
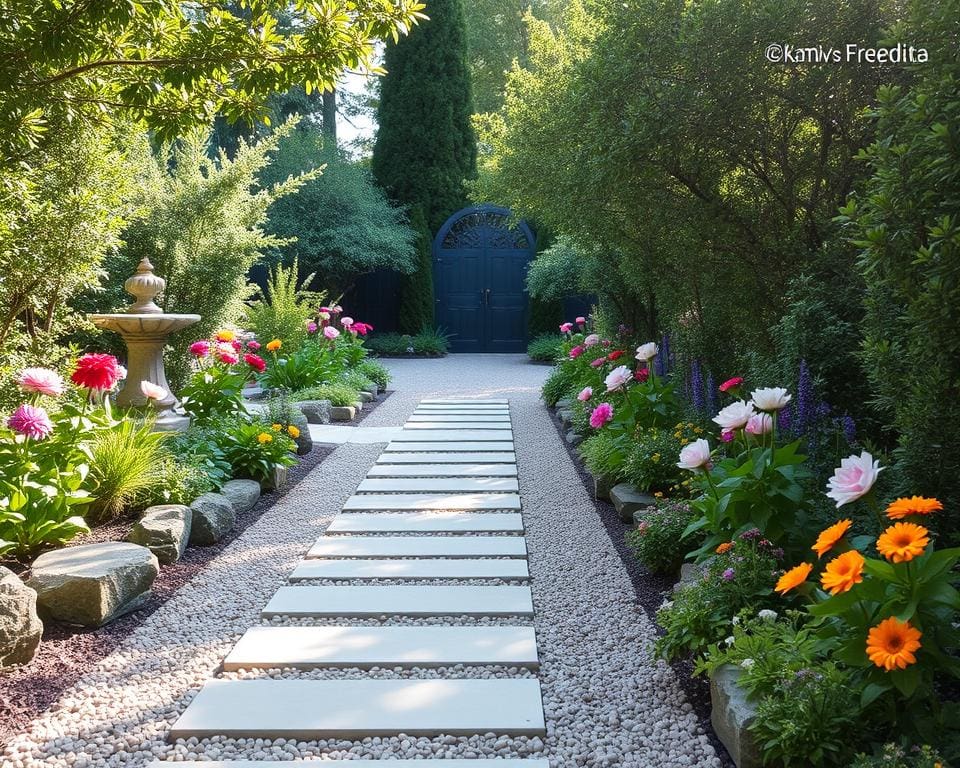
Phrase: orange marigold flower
x=225 y=336
x=903 y=541
x=829 y=537
x=293 y=432
x=276 y=427
x=793 y=578
x=890 y=644
x=725 y=547
x=915 y=505
x=264 y=437
x=273 y=346
x=843 y=572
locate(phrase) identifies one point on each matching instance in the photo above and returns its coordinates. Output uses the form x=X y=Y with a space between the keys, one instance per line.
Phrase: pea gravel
x=607 y=702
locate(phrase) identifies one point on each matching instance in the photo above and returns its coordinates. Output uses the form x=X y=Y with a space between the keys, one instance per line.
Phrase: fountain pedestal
x=144 y=328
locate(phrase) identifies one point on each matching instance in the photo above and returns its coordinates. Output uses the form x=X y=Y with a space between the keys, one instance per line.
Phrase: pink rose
x=42 y=381
x=152 y=391
x=566 y=327
x=735 y=415
x=853 y=478
x=695 y=455
x=346 y=322
x=581 y=321
x=330 y=332
x=617 y=378
x=576 y=352
x=253 y=345
x=311 y=327
x=591 y=340
x=642 y=374
x=598 y=362
x=585 y=394
x=601 y=415
x=759 y=424
x=200 y=348
x=30 y=421
x=727 y=436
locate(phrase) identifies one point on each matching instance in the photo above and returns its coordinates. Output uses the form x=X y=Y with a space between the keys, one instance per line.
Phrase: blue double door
x=481 y=297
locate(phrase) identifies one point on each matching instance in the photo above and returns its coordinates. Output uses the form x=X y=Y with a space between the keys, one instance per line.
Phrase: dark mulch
x=68 y=652
x=369 y=408
x=651 y=590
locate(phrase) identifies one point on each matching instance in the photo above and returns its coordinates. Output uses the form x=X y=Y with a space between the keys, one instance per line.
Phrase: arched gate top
x=487 y=225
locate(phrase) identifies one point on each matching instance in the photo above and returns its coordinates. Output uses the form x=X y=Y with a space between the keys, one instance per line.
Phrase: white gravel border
x=607 y=703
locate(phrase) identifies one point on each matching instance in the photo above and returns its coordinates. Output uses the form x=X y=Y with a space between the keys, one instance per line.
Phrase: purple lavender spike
x=711 y=394
x=696 y=386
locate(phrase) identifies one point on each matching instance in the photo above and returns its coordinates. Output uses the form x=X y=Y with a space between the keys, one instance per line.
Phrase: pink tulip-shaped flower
x=31 y=421
x=759 y=424
x=600 y=415
x=42 y=381
x=581 y=321
x=695 y=455
x=346 y=322
x=585 y=394
x=152 y=391
x=330 y=332
x=566 y=327
x=853 y=478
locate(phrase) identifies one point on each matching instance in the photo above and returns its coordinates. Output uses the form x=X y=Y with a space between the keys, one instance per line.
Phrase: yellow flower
x=843 y=572
x=276 y=427
x=293 y=432
x=273 y=346
x=658 y=494
x=890 y=644
x=655 y=458
x=225 y=336
x=264 y=437
x=829 y=537
x=793 y=578
x=697 y=431
x=918 y=505
x=902 y=542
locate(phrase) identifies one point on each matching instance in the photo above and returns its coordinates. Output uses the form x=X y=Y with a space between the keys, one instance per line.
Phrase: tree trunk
x=330 y=119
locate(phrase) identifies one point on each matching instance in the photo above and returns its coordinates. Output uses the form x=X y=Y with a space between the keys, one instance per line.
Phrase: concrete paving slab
x=481 y=763
x=459 y=418
x=350 y=709
x=426 y=446
x=400 y=600
x=419 y=546
x=427 y=522
x=445 y=425
x=453 y=435
x=464 y=401
x=438 y=485
x=428 y=568
x=443 y=470
x=422 y=501
x=364 y=647
x=453 y=457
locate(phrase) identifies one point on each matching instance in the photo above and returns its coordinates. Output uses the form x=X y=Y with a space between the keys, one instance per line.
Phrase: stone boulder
x=213 y=516
x=367 y=397
x=343 y=413
x=731 y=714
x=563 y=402
x=20 y=626
x=164 y=530
x=92 y=584
x=243 y=494
x=573 y=438
x=626 y=500
x=602 y=485
x=304 y=440
x=566 y=416
x=316 y=411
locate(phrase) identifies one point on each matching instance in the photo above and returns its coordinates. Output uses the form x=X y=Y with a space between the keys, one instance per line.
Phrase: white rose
x=771 y=398
x=617 y=378
x=647 y=351
x=853 y=478
x=694 y=455
x=734 y=416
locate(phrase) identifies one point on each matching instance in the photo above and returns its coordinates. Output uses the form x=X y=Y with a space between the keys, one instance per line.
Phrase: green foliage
x=429 y=342
x=197 y=447
x=377 y=372
x=602 y=456
x=339 y=225
x=544 y=317
x=895 y=756
x=254 y=449
x=559 y=384
x=337 y=393
x=545 y=348
x=175 y=65
x=657 y=541
x=283 y=310
x=651 y=461
x=177 y=482
x=214 y=391
x=416 y=289
x=906 y=221
x=125 y=463
x=312 y=364
x=357 y=380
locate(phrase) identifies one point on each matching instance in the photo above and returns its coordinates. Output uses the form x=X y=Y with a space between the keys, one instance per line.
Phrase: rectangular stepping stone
x=481 y=763
x=443 y=470
x=417 y=501
x=438 y=485
x=463 y=401
x=491 y=457
x=400 y=600
x=312 y=647
x=430 y=568
x=444 y=425
x=351 y=709
x=458 y=418
x=454 y=446
x=453 y=435
x=419 y=546
x=427 y=522
x=462 y=410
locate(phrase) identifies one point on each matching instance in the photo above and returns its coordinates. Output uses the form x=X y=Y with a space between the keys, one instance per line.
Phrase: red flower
x=615 y=355
x=642 y=374
x=96 y=371
x=733 y=383
x=255 y=361
x=361 y=328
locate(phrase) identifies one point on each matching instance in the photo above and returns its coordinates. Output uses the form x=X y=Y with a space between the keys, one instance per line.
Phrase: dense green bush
x=283 y=309
x=376 y=372
x=254 y=449
x=357 y=380
x=429 y=342
x=337 y=393
x=658 y=539
x=651 y=461
x=545 y=347
x=602 y=456
x=558 y=385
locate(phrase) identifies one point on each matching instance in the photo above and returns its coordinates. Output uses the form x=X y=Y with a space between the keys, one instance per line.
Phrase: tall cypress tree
x=425 y=146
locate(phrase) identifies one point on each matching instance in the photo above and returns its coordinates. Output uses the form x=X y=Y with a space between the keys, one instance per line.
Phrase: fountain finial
x=144 y=287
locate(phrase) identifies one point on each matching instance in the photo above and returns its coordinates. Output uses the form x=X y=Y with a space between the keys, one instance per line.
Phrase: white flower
x=694 y=455
x=647 y=351
x=667 y=604
x=152 y=391
x=123 y=372
x=771 y=398
x=730 y=640
x=591 y=340
x=767 y=615
x=735 y=621
x=747 y=663
x=617 y=378
x=853 y=478
x=734 y=416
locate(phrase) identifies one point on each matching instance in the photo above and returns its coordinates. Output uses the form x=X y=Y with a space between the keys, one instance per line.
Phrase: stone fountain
x=145 y=328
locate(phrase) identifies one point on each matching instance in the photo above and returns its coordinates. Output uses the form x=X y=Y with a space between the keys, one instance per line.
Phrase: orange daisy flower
x=828 y=538
x=725 y=547
x=902 y=542
x=274 y=345
x=225 y=336
x=890 y=644
x=793 y=578
x=915 y=505
x=843 y=572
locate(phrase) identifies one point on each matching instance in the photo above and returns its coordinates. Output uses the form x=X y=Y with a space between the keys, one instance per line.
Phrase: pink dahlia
x=31 y=421
x=311 y=327
x=97 y=371
x=330 y=332
x=576 y=352
x=200 y=348
x=228 y=358
x=361 y=328
x=601 y=415
x=253 y=345
x=598 y=362
x=43 y=381
x=255 y=361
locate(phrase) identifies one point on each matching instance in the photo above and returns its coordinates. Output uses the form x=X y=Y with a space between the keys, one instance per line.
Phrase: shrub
x=198 y=448
x=376 y=372
x=125 y=464
x=603 y=456
x=357 y=380
x=177 y=482
x=285 y=307
x=658 y=540
x=310 y=365
x=559 y=384
x=651 y=462
x=337 y=393
x=545 y=348
x=431 y=342
x=895 y=756
x=215 y=388
x=254 y=449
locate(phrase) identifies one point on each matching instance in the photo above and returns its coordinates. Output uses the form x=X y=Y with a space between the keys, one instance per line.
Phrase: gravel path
x=607 y=703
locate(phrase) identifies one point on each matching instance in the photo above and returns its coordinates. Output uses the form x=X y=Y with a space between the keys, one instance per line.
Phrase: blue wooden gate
x=480 y=260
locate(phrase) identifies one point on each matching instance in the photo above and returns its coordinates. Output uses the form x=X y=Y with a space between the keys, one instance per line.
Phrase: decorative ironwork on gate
x=485 y=225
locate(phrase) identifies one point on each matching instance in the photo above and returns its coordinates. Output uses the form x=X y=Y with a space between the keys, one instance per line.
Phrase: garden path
x=605 y=701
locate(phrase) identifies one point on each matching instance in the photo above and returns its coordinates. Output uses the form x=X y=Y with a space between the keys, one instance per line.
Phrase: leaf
x=871 y=692
x=906 y=680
